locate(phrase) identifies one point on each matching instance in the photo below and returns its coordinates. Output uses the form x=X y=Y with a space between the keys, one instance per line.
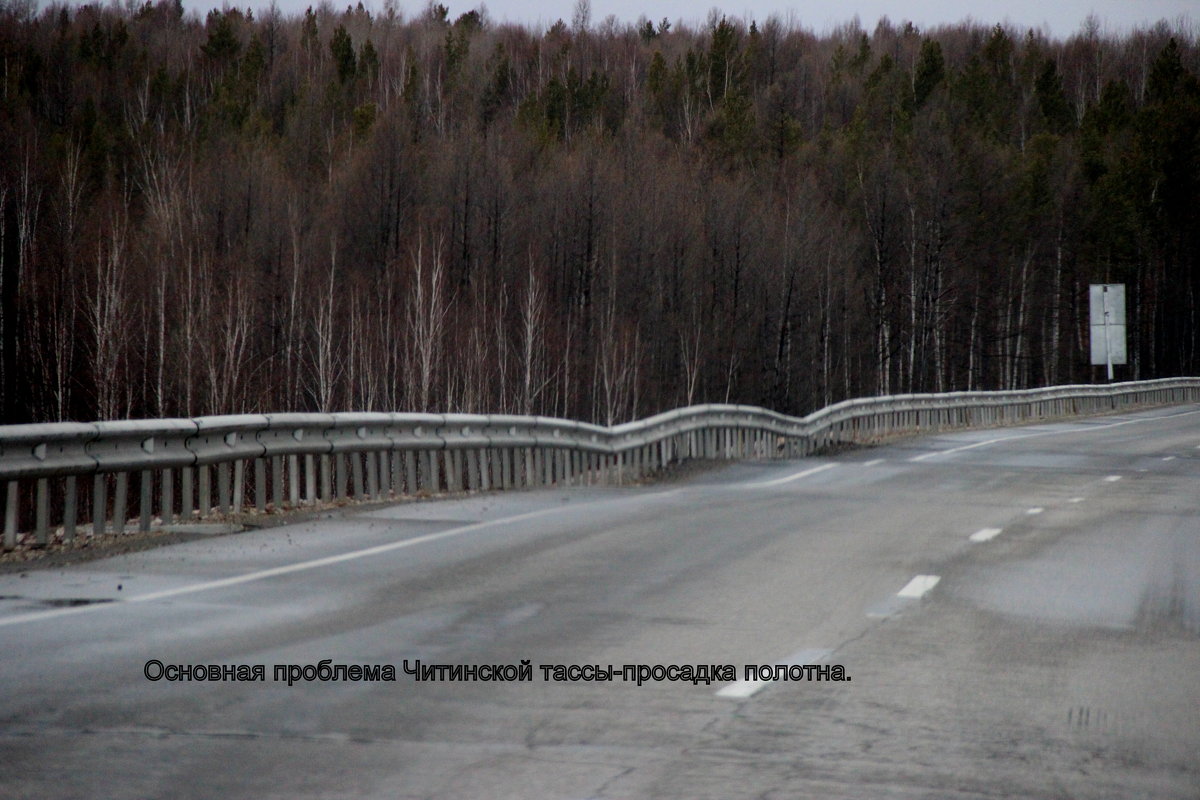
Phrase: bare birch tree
x=105 y=312
x=427 y=310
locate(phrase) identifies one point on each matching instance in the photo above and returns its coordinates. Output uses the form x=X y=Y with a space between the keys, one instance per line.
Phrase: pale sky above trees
x=1063 y=17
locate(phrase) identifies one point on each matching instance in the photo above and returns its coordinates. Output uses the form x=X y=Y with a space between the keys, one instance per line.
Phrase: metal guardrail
x=177 y=465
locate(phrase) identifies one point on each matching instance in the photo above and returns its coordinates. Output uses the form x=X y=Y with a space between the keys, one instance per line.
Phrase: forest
x=374 y=209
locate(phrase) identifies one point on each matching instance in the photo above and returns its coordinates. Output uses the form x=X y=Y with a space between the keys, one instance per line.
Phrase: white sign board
x=1107 y=302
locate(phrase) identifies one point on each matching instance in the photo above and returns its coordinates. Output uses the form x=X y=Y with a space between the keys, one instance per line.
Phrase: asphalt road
x=1018 y=610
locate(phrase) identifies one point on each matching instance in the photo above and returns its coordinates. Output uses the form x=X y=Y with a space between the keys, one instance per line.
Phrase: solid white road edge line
x=787 y=478
x=1087 y=429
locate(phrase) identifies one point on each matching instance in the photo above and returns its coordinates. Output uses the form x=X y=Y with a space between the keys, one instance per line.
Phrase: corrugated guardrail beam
x=298 y=459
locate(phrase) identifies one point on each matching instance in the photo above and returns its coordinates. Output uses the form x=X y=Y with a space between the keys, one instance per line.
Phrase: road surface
x=1018 y=611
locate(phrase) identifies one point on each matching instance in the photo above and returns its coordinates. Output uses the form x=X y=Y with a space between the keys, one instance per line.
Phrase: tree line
x=359 y=210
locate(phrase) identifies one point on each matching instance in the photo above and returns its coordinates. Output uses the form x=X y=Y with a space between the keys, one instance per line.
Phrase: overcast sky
x=1061 y=17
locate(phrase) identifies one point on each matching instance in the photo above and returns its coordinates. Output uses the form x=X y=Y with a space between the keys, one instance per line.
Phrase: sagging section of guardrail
x=185 y=469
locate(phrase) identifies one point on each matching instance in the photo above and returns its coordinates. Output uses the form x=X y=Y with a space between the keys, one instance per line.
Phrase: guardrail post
x=205 y=490
x=10 y=515
x=356 y=471
x=260 y=485
x=293 y=462
x=223 y=487
x=277 y=481
x=310 y=478
x=339 y=469
x=431 y=471
x=239 y=483
x=506 y=468
x=326 y=475
x=119 y=498
x=389 y=462
x=410 y=472
x=167 y=497
x=42 y=524
x=185 y=490
x=473 y=479
x=146 y=484
x=70 y=498
x=485 y=470
x=449 y=457
x=367 y=474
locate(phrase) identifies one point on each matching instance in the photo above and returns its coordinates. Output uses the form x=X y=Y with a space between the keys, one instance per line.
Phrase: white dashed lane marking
x=787 y=478
x=984 y=534
x=919 y=586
